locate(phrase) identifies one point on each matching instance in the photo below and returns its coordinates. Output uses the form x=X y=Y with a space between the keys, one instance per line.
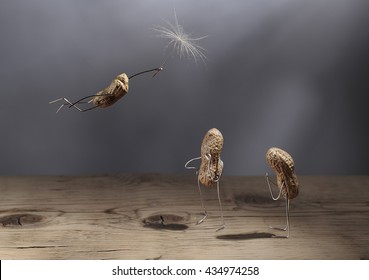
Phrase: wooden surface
x=121 y=217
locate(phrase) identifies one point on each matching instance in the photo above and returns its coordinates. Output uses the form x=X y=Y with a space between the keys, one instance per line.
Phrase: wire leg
x=199 y=187
x=287 y=227
x=68 y=103
x=201 y=197
x=202 y=203
x=82 y=100
x=288 y=216
x=270 y=189
x=221 y=209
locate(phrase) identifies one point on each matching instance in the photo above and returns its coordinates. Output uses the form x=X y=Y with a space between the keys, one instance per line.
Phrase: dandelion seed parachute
x=180 y=41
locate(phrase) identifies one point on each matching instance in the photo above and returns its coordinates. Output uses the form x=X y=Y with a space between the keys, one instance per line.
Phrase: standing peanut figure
x=106 y=97
x=282 y=163
x=211 y=167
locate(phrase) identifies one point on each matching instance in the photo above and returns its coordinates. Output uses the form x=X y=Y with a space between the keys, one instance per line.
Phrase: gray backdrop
x=285 y=73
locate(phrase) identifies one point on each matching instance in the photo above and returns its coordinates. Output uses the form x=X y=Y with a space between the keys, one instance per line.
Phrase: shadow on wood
x=246 y=236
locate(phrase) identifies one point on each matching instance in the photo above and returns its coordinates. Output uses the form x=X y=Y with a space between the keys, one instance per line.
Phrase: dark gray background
x=286 y=73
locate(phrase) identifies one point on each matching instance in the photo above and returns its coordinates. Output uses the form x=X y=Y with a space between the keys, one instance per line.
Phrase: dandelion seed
x=181 y=42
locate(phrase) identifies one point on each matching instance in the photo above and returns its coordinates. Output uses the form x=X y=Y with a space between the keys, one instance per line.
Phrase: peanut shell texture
x=283 y=165
x=211 y=166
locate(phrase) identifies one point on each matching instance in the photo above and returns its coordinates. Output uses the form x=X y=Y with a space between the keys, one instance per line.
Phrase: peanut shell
x=211 y=166
x=112 y=93
x=283 y=165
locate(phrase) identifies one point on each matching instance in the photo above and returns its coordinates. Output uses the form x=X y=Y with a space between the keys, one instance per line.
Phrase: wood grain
x=153 y=216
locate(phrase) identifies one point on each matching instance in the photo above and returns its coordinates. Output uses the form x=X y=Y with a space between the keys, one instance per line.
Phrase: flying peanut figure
x=283 y=165
x=179 y=42
x=211 y=167
x=106 y=97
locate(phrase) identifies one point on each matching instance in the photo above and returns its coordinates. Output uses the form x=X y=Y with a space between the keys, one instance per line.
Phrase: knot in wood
x=20 y=220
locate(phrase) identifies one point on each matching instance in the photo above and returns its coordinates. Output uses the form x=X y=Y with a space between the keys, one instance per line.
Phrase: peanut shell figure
x=211 y=167
x=283 y=165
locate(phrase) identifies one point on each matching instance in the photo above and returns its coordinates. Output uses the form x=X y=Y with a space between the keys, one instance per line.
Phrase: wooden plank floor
x=121 y=217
